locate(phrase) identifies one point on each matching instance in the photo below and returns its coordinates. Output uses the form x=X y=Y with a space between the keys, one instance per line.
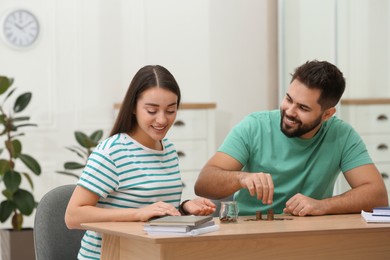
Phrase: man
x=289 y=160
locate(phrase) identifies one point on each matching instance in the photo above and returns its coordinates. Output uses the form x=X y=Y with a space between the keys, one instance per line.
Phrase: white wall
x=243 y=52
x=307 y=32
x=353 y=34
x=363 y=47
x=221 y=51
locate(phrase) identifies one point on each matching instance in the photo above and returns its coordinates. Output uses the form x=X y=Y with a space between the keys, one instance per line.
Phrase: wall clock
x=20 y=28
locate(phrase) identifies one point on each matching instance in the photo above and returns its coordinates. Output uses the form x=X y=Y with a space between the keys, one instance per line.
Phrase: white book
x=370 y=218
x=181 y=229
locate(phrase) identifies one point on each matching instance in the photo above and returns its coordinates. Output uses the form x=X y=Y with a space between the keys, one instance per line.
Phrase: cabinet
x=193 y=134
x=371 y=119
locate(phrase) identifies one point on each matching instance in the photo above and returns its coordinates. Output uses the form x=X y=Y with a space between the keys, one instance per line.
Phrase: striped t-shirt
x=126 y=174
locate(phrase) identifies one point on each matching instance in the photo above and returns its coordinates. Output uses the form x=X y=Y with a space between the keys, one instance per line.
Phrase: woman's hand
x=157 y=209
x=199 y=206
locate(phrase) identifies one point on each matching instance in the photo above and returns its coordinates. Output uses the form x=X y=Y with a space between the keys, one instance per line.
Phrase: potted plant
x=85 y=148
x=17 y=202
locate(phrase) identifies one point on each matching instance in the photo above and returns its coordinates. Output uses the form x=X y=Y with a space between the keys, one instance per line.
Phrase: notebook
x=180 y=220
x=369 y=218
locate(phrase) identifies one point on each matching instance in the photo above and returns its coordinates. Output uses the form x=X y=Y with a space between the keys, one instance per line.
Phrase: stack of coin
x=270 y=214
x=258 y=215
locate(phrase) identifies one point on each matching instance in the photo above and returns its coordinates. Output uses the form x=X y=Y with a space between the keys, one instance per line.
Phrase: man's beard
x=300 y=129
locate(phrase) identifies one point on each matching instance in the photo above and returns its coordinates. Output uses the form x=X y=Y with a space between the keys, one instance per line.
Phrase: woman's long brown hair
x=147 y=77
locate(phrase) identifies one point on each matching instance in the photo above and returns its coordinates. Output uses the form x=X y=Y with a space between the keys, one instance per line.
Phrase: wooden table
x=319 y=237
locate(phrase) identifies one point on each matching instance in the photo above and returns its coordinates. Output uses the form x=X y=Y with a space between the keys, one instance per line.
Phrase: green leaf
x=73 y=165
x=78 y=151
x=21 y=118
x=9 y=94
x=96 y=136
x=2 y=119
x=14 y=136
x=8 y=145
x=22 y=102
x=81 y=138
x=29 y=180
x=6 y=209
x=8 y=194
x=16 y=148
x=22 y=125
x=69 y=174
x=12 y=180
x=4 y=167
x=24 y=201
x=31 y=163
x=5 y=83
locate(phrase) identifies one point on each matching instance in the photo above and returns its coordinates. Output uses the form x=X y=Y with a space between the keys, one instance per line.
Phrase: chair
x=52 y=239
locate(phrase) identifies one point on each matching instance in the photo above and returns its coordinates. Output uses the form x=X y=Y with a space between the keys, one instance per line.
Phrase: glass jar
x=228 y=212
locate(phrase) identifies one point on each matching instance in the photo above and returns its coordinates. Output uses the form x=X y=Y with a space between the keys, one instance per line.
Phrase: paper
x=194 y=232
x=369 y=218
x=175 y=229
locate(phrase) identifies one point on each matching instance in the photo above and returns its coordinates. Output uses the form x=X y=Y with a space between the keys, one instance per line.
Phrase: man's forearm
x=215 y=183
x=364 y=197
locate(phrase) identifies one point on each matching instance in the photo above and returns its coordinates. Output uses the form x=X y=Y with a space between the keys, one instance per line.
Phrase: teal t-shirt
x=307 y=166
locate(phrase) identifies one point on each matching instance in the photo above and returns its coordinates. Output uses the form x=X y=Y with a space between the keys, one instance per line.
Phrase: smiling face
x=301 y=115
x=155 y=112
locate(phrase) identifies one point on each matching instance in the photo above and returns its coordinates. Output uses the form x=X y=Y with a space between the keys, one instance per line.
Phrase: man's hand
x=260 y=184
x=301 y=205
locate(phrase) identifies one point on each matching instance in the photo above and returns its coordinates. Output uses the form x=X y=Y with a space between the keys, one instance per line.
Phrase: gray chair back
x=52 y=239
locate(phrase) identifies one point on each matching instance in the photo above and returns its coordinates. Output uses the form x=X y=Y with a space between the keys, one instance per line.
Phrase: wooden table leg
x=110 y=247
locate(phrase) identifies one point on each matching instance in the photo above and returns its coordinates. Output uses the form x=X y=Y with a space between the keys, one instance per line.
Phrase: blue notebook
x=381 y=211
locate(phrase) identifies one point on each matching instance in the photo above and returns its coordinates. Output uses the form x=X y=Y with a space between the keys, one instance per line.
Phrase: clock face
x=20 y=28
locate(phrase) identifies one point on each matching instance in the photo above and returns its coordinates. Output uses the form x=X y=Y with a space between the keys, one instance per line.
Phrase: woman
x=134 y=174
